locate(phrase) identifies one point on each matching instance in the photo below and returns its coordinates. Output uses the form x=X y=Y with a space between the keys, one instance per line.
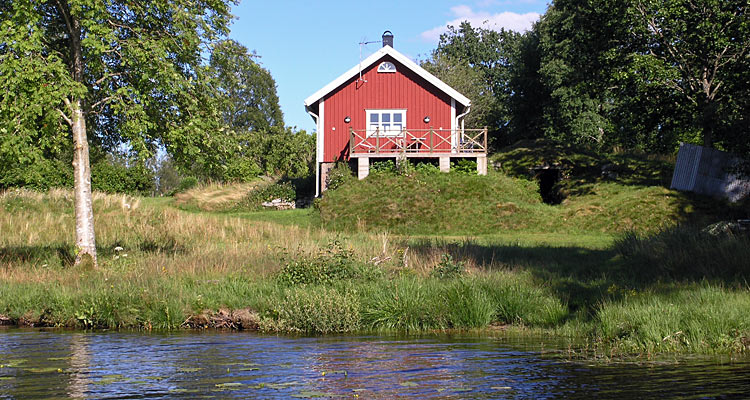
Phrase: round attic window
x=386 y=66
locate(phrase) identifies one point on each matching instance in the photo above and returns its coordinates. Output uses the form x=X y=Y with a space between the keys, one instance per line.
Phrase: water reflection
x=50 y=364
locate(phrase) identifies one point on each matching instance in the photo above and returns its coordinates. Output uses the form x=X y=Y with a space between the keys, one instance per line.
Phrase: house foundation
x=445 y=164
x=482 y=165
x=363 y=167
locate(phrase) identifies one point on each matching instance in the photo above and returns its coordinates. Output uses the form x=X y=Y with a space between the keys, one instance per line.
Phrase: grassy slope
x=633 y=199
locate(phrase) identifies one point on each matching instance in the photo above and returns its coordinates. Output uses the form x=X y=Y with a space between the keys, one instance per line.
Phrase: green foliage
x=447 y=268
x=464 y=166
x=186 y=184
x=476 y=62
x=111 y=176
x=265 y=192
x=383 y=167
x=684 y=319
x=319 y=310
x=339 y=175
x=246 y=90
x=331 y=264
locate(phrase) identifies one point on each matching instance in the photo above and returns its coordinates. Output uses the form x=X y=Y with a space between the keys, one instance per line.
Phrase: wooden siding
x=400 y=90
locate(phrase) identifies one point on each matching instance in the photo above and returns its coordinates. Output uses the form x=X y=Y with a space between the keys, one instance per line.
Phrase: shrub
x=447 y=268
x=464 y=166
x=339 y=175
x=185 y=184
x=267 y=192
x=383 y=167
x=319 y=310
x=332 y=264
x=426 y=168
x=112 y=177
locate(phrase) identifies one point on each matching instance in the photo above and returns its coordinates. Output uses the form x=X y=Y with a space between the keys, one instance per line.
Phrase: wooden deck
x=418 y=143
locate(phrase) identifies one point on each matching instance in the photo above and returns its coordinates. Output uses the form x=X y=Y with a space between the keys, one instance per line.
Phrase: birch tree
x=122 y=73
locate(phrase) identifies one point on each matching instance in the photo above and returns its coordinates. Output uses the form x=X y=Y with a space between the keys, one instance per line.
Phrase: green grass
x=415 y=252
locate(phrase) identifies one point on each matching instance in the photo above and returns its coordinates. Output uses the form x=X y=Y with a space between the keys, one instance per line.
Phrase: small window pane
x=386 y=117
x=397 y=127
x=374 y=117
x=386 y=127
x=397 y=117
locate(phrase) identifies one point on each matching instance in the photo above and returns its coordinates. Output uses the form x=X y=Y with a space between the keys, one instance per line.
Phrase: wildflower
x=118 y=248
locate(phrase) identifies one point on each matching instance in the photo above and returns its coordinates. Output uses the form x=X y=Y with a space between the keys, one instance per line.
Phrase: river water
x=48 y=364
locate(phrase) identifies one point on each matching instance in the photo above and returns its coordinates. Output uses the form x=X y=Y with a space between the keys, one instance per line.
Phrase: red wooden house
x=389 y=107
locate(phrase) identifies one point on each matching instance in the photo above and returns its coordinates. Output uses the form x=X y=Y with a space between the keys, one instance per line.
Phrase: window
x=386 y=66
x=386 y=122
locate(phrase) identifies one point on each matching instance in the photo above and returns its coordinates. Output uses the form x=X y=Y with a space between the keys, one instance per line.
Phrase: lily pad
x=188 y=369
x=306 y=394
x=43 y=370
x=409 y=384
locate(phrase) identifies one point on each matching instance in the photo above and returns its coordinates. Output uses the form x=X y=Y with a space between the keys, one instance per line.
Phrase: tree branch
x=65 y=117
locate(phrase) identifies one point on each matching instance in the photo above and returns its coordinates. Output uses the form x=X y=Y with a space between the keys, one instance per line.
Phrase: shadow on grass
x=584 y=278
x=64 y=255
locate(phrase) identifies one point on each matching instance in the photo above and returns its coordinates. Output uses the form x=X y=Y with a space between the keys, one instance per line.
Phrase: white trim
x=387 y=67
x=390 y=133
x=375 y=57
x=454 y=123
x=321 y=129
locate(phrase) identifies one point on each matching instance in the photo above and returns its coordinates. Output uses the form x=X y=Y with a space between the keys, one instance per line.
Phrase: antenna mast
x=363 y=43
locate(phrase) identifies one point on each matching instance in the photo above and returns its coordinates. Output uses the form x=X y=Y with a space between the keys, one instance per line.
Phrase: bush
x=339 y=175
x=464 y=166
x=319 y=310
x=185 y=184
x=332 y=264
x=268 y=192
x=383 y=167
x=447 y=268
x=112 y=177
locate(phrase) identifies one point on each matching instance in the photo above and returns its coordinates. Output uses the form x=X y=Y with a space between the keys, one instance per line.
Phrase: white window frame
x=386 y=129
x=387 y=67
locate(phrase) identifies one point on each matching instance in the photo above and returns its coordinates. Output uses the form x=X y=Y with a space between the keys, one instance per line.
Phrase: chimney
x=387 y=38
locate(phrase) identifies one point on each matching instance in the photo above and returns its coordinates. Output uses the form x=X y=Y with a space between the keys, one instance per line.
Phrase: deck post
x=445 y=164
x=351 y=141
x=482 y=165
x=363 y=167
x=431 y=136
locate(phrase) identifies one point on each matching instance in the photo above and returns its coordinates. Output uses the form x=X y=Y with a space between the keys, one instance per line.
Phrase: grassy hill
x=631 y=195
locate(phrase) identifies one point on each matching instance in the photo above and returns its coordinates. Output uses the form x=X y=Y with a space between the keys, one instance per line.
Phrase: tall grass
x=686 y=253
x=165 y=268
x=695 y=319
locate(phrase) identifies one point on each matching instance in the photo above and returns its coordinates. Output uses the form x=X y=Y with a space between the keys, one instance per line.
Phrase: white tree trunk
x=85 y=239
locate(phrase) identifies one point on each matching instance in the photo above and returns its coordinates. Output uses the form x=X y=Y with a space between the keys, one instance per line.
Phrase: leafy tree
x=699 y=49
x=247 y=90
x=117 y=72
x=477 y=60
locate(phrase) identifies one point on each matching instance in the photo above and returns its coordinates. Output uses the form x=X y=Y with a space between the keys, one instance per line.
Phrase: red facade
x=403 y=89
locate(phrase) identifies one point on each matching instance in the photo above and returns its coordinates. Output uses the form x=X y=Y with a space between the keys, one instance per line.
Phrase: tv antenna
x=361 y=44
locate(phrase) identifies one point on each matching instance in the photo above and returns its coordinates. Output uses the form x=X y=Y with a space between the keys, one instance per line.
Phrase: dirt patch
x=6 y=320
x=243 y=319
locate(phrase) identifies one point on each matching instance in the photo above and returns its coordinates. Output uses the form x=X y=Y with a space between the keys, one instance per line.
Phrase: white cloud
x=507 y=20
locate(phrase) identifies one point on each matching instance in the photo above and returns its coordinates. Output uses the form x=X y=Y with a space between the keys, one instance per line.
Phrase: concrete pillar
x=482 y=165
x=445 y=164
x=325 y=168
x=363 y=167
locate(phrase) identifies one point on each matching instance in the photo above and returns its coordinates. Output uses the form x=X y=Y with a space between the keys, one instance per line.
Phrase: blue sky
x=307 y=44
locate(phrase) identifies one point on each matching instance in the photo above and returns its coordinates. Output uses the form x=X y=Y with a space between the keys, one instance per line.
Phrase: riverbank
x=163 y=268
